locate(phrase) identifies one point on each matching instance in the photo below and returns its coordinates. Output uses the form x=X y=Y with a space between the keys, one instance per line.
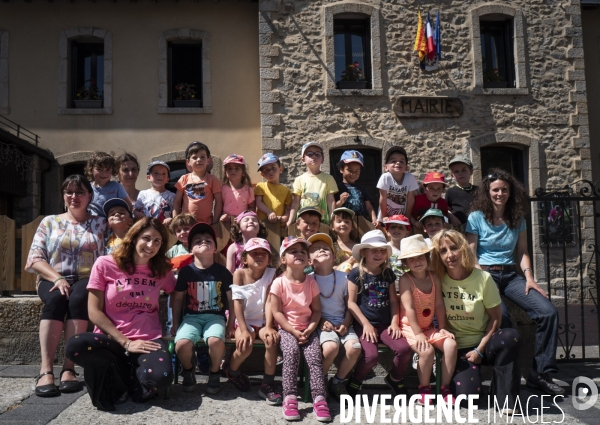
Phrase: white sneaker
x=415 y=361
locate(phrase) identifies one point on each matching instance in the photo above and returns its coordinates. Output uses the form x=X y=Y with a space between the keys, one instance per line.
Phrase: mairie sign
x=428 y=107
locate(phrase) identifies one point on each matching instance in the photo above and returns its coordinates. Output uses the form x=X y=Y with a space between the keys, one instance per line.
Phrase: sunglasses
x=494 y=176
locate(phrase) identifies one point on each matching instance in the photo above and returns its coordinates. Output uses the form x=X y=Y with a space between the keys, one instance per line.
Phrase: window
x=352 y=53
x=178 y=169
x=506 y=158
x=497 y=54
x=87 y=74
x=73 y=168
x=185 y=75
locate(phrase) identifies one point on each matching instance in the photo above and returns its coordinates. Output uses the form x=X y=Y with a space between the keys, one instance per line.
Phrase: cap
x=306 y=209
x=353 y=156
x=396 y=219
x=234 y=159
x=461 y=158
x=268 y=158
x=395 y=149
x=322 y=237
x=115 y=202
x=309 y=144
x=153 y=163
x=434 y=177
x=201 y=228
x=256 y=243
x=343 y=209
x=292 y=240
x=432 y=212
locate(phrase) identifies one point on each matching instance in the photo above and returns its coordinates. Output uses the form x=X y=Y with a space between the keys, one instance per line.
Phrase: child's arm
x=372 y=213
x=269 y=322
x=177 y=300
x=230 y=264
x=177 y=203
x=280 y=318
x=368 y=329
x=287 y=214
x=245 y=338
x=452 y=218
x=218 y=207
x=330 y=204
x=260 y=205
x=383 y=202
x=294 y=208
x=315 y=317
x=342 y=200
x=407 y=303
x=394 y=328
x=230 y=331
x=440 y=308
x=410 y=203
x=342 y=328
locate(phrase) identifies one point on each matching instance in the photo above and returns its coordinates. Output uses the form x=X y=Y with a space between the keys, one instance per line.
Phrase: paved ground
x=18 y=405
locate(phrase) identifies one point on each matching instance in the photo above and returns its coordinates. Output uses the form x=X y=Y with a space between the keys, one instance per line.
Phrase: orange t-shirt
x=296 y=299
x=198 y=195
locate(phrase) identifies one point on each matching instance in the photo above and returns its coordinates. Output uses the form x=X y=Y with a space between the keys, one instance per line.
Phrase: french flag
x=431 y=49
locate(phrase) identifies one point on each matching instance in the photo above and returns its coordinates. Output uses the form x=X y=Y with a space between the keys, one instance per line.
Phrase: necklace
x=334 y=284
x=466 y=189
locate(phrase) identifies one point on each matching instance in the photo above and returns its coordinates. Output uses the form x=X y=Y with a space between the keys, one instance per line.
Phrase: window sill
x=355 y=92
x=85 y=111
x=163 y=110
x=490 y=91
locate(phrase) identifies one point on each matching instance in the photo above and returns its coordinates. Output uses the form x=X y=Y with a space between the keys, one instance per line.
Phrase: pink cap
x=292 y=240
x=245 y=214
x=396 y=219
x=256 y=243
x=234 y=159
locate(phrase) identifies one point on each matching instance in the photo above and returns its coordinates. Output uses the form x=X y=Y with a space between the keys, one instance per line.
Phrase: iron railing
x=18 y=130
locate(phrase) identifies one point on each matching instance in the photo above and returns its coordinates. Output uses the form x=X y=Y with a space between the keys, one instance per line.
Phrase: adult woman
x=496 y=233
x=62 y=253
x=125 y=354
x=473 y=315
x=129 y=169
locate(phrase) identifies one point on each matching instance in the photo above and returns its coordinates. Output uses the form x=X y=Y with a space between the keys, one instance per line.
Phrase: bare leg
x=448 y=347
x=350 y=358
x=238 y=357
x=184 y=349
x=271 y=352
x=425 y=364
x=216 y=350
x=50 y=333
x=330 y=352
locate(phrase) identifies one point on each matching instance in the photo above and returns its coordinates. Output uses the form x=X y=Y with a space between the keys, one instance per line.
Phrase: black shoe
x=396 y=386
x=353 y=387
x=48 y=390
x=544 y=383
x=69 y=386
x=189 y=375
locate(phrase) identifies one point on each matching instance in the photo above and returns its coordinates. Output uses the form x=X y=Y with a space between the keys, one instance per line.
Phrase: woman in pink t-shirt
x=125 y=355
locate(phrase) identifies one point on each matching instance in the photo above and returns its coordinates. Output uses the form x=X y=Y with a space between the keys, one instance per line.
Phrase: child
x=198 y=190
x=373 y=302
x=421 y=300
x=397 y=227
x=335 y=328
x=296 y=307
x=434 y=184
x=237 y=192
x=351 y=195
x=246 y=227
x=120 y=220
x=273 y=200
x=396 y=186
x=314 y=188
x=341 y=227
x=308 y=222
x=250 y=291
x=156 y=202
x=99 y=170
x=432 y=222
x=205 y=286
x=459 y=197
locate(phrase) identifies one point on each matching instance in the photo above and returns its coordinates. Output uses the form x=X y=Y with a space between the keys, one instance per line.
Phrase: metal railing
x=19 y=131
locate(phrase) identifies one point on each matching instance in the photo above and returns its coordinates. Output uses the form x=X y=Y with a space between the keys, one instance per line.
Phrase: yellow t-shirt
x=275 y=196
x=313 y=191
x=466 y=302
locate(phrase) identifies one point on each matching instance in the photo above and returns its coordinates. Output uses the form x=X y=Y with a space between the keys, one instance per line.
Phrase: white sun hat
x=371 y=239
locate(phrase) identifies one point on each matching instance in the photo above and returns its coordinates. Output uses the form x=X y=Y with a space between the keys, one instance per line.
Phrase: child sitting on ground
x=99 y=170
x=250 y=294
x=120 y=220
x=342 y=226
x=396 y=186
x=335 y=328
x=397 y=227
x=273 y=200
x=156 y=202
x=237 y=192
x=246 y=227
x=433 y=184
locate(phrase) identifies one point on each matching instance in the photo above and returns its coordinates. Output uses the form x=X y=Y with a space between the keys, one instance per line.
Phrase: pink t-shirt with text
x=130 y=300
x=296 y=299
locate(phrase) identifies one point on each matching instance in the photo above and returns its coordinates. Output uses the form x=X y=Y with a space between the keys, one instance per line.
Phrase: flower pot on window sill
x=495 y=84
x=88 y=104
x=186 y=104
x=352 y=85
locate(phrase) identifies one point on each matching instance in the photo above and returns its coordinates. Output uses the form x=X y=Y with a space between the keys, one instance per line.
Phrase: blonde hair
x=385 y=269
x=468 y=259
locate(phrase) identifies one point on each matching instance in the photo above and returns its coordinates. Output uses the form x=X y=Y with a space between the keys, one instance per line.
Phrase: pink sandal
x=321 y=410
x=290 y=408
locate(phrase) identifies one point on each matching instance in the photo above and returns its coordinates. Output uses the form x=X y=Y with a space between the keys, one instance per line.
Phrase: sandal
x=48 y=390
x=69 y=386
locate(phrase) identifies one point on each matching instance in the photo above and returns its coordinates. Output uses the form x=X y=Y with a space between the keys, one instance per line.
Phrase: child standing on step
x=296 y=306
x=421 y=300
x=246 y=227
x=237 y=192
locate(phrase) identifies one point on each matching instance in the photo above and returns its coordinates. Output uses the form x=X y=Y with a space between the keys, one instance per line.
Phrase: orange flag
x=420 y=41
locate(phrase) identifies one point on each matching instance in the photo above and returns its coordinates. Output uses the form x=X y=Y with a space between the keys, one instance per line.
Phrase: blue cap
x=153 y=163
x=353 y=156
x=115 y=202
x=268 y=158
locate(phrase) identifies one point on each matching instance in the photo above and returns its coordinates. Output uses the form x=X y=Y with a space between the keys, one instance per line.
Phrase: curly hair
x=103 y=160
x=515 y=207
x=468 y=259
x=236 y=233
x=124 y=255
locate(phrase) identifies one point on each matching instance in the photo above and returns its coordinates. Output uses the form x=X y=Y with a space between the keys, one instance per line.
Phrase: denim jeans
x=541 y=311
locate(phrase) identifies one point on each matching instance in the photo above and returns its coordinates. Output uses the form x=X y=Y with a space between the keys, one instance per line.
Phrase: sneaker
x=290 y=408
x=270 y=394
x=214 y=383
x=241 y=382
x=279 y=360
x=336 y=391
x=189 y=376
x=447 y=395
x=353 y=387
x=415 y=361
x=396 y=386
x=424 y=391
x=321 y=410
x=544 y=383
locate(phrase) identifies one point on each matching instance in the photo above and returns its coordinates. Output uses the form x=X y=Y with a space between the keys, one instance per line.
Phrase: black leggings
x=109 y=373
x=501 y=352
x=57 y=305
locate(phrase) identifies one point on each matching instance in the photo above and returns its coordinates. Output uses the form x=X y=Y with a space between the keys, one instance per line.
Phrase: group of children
x=326 y=293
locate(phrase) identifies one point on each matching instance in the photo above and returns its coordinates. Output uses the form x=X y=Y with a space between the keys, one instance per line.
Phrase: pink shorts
x=432 y=333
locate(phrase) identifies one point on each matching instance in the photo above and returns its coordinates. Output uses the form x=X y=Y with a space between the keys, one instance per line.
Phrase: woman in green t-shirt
x=473 y=314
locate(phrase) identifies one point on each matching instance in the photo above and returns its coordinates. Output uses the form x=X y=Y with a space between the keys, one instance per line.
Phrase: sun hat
x=396 y=219
x=115 y=202
x=309 y=144
x=371 y=239
x=434 y=177
x=153 y=163
x=343 y=209
x=257 y=243
x=462 y=159
x=322 y=237
x=292 y=240
x=266 y=159
x=234 y=159
x=432 y=212
x=413 y=246
x=201 y=228
x=306 y=209
x=245 y=214
x=352 y=156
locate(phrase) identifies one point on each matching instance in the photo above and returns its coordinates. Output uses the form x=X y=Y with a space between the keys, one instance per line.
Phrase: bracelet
x=127 y=347
x=59 y=278
x=478 y=352
x=528 y=268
